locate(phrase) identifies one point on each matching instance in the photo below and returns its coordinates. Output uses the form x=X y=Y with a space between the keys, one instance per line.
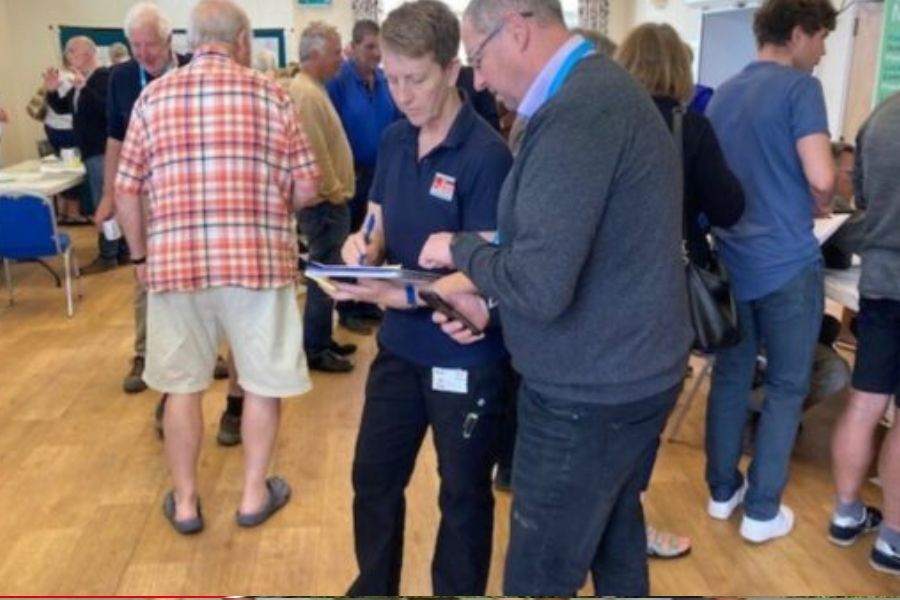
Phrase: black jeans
x=325 y=226
x=400 y=405
x=577 y=478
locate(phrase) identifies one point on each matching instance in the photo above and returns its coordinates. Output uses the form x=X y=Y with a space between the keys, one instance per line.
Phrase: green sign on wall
x=889 y=58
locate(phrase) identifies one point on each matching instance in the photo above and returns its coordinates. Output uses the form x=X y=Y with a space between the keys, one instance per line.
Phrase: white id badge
x=453 y=381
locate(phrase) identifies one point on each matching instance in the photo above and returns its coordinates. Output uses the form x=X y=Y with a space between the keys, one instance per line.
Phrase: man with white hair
x=326 y=224
x=86 y=101
x=149 y=33
x=218 y=153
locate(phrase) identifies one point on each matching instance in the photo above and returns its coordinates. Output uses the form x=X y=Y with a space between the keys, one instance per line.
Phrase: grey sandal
x=279 y=495
x=187 y=526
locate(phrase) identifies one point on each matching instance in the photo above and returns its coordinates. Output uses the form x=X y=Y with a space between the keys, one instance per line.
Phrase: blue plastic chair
x=28 y=232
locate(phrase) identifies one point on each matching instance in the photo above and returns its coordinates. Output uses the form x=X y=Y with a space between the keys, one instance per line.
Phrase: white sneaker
x=723 y=510
x=758 y=532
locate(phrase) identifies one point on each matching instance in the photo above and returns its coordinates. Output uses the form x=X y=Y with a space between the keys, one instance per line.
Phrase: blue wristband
x=411 y=295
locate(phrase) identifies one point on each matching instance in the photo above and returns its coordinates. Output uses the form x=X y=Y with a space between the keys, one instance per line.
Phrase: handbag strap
x=678 y=134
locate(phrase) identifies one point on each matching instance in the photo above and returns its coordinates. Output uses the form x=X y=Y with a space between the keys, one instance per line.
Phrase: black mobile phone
x=435 y=302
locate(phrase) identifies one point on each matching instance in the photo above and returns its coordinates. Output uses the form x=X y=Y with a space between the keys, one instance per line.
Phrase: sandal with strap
x=663 y=544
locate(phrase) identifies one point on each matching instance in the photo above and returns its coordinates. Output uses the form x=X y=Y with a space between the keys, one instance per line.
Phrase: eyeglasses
x=476 y=57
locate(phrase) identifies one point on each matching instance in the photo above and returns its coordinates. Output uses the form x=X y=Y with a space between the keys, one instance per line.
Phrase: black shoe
x=356 y=325
x=229 y=430
x=99 y=265
x=885 y=558
x=342 y=349
x=134 y=381
x=220 y=371
x=844 y=532
x=329 y=362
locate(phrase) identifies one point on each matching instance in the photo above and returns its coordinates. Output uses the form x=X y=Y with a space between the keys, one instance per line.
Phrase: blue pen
x=367 y=235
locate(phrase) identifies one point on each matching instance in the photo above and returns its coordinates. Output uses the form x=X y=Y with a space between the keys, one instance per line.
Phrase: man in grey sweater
x=587 y=273
x=876 y=374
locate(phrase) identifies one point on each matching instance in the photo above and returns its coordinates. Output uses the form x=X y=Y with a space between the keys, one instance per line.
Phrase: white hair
x=264 y=60
x=144 y=14
x=216 y=21
x=81 y=39
x=313 y=39
x=487 y=14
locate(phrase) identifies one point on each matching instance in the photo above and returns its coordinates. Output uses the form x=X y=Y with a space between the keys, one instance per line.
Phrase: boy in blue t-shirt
x=773 y=129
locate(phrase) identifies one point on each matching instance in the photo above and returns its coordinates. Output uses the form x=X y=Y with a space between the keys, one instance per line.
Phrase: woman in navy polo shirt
x=440 y=169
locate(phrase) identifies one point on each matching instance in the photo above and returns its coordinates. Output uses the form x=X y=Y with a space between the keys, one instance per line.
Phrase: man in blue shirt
x=772 y=126
x=362 y=99
x=440 y=170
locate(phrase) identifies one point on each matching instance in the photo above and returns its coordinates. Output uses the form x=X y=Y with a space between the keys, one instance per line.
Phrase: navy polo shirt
x=364 y=113
x=454 y=188
x=125 y=87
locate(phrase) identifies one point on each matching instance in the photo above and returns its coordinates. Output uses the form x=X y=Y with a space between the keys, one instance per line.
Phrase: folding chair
x=28 y=233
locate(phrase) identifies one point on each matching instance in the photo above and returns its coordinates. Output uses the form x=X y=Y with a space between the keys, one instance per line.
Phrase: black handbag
x=711 y=303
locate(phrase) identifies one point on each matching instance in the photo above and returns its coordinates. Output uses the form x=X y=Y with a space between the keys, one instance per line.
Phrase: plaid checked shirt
x=216 y=149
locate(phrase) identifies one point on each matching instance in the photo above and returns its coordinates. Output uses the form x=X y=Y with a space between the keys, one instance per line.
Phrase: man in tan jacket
x=326 y=224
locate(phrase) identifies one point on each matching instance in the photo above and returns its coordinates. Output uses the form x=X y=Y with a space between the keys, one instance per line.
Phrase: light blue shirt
x=539 y=92
x=759 y=116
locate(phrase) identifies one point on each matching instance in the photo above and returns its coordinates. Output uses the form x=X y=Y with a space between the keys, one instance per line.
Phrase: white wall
x=28 y=44
x=832 y=71
x=7 y=99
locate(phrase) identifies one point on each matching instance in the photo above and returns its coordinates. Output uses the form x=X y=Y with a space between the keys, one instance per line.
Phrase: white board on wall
x=727 y=44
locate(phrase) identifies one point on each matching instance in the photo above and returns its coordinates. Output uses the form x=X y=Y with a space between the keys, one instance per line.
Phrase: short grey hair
x=144 y=14
x=313 y=39
x=264 y=60
x=81 y=39
x=485 y=15
x=218 y=21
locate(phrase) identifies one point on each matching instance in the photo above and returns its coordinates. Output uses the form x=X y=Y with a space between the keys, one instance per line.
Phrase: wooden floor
x=82 y=478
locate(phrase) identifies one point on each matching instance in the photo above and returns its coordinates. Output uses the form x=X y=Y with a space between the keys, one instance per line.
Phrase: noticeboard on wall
x=888 y=80
x=270 y=39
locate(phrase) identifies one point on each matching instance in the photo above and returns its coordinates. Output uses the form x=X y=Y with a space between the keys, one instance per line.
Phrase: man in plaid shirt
x=216 y=150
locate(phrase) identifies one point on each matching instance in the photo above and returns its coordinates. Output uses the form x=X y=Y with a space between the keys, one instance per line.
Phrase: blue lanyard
x=583 y=49
x=144 y=74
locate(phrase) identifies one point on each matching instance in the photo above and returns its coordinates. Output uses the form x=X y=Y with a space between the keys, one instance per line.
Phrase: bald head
x=81 y=54
x=221 y=22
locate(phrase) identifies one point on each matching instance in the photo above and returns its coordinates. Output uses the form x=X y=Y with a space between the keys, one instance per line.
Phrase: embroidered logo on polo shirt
x=443 y=187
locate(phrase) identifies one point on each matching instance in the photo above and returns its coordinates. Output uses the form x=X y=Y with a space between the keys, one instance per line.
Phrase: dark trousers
x=115 y=250
x=400 y=405
x=325 y=226
x=577 y=478
x=358 y=206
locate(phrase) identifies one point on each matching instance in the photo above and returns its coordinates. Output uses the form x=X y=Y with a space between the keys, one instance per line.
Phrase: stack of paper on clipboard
x=321 y=273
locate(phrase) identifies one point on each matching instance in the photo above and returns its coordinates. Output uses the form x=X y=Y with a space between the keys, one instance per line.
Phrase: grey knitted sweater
x=588 y=272
x=877 y=178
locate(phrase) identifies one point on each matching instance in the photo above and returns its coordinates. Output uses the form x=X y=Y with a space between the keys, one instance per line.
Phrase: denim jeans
x=576 y=509
x=400 y=406
x=109 y=250
x=325 y=226
x=784 y=325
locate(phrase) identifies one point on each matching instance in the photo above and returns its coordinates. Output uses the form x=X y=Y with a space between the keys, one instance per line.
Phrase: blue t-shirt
x=364 y=113
x=759 y=115
x=454 y=188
